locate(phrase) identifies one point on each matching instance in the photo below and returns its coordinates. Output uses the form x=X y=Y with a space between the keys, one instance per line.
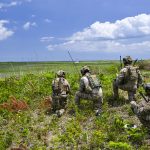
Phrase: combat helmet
x=127 y=60
x=61 y=73
x=147 y=88
x=85 y=69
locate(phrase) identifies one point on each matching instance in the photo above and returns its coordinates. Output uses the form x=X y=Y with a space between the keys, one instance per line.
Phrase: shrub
x=119 y=146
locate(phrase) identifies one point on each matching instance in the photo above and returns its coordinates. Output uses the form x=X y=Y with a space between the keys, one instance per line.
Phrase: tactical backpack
x=58 y=86
x=132 y=73
x=93 y=81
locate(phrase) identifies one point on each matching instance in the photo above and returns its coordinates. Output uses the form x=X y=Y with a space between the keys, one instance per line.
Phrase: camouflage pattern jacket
x=142 y=110
x=126 y=80
x=60 y=87
x=86 y=88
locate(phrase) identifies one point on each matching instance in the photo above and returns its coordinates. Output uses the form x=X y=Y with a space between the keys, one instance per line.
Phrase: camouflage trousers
x=59 y=103
x=97 y=100
x=145 y=120
x=131 y=91
x=143 y=116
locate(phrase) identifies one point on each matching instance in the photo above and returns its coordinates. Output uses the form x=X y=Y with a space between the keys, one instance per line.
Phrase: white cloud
x=12 y=4
x=28 y=25
x=33 y=16
x=125 y=28
x=46 y=39
x=129 y=34
x=4 y=32
x=47 y=20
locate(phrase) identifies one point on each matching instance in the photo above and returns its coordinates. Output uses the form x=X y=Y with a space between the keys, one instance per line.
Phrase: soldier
x=60 y=91
x=90 y=88
x=128 y=80
x=142 y=110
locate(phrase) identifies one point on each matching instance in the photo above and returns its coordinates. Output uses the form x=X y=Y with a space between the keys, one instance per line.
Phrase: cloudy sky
x=45 y=30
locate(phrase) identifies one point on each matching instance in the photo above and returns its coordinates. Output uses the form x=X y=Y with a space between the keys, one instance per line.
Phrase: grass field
x=18 y=68
x=33 y=128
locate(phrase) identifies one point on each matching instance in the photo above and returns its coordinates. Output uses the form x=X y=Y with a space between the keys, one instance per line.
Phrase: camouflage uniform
x=125 y=82
x=142 y=110
x=60 y=91
x=86 y=92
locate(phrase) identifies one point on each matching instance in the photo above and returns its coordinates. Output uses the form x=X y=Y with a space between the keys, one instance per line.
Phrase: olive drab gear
x=57 y=86
x=60 y=91
x=90 y=89
x=146 y=111
x=127 y=60
x=61 y=73
x=128 y=79
x=85 y=69
x=142 y=109
x=60 y=87
x=93 y=81
x=132 y=74
x=147 y=88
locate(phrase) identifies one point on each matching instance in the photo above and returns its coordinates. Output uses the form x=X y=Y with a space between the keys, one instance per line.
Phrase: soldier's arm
x=68 y=86
x=87 y=86
x=82 y=85
x=121 y=76
x=53 y=85
x=140 y=78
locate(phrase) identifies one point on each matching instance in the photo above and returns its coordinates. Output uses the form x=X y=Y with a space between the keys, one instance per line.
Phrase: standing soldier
x=90 y=88
x=142 y=110
x=128 y=80
x=60 y=91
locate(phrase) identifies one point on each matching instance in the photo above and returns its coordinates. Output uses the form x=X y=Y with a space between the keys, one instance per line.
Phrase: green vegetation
x=35 y=128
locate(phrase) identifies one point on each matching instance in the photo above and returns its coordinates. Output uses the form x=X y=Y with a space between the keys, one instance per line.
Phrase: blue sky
x=44 y=30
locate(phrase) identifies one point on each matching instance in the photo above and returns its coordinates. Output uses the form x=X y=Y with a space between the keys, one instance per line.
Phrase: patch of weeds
x=71 y=134
x=97 y=139
x=119 y=146
x=136 y=135
x=5 y=139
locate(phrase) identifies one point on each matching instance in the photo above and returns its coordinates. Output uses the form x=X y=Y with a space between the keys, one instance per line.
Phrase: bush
x=119 y=146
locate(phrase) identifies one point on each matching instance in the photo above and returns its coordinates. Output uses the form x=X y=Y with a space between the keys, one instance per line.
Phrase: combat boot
x=60 y=112
x=98 y=112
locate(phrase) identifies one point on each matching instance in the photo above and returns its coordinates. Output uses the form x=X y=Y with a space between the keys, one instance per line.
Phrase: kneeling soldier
x=60 y=89
x=142 y=110
x=128 y=79
x=90 y=88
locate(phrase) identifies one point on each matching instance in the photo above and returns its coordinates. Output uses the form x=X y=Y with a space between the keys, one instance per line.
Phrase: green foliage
x=119 y=146
x=77 y=130
x=5 y=139
x=97 y=139
x=118 y=123
x=135 y=135
x=72 y=133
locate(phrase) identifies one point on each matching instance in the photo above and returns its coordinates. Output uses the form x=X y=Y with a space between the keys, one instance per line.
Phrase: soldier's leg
x=63 y=103
x=131 y=95
x=97 y=105
x=55 y=103
x=77 y=98
x=115 y=89
x=62 y=106
x=134 y=107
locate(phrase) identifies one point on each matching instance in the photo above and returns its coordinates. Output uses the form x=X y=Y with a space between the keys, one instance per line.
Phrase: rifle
x=74 y=64
x=135 y=62
x=144 y=97
x=120 y=63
